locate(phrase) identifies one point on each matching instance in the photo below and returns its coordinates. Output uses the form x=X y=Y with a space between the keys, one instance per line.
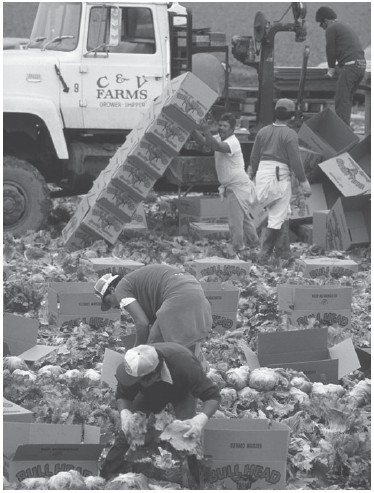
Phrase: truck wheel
x=26 y=202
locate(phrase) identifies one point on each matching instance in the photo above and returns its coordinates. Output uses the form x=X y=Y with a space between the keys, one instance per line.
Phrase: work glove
x=126 y=418
x=330 y=72
x=305 y=188
x=196 y=425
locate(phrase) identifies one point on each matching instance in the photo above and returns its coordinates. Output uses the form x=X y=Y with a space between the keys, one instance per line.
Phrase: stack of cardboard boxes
x=139 y=162
x=340 y=165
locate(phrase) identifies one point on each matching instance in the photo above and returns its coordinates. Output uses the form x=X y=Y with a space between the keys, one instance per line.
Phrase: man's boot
x=268 y=244
x=282 y=248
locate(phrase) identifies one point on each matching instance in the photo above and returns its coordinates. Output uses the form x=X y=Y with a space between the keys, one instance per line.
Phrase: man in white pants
x=235 y=184
x=274 y=156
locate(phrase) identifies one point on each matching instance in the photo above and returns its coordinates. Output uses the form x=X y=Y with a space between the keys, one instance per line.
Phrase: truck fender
x=46 y=110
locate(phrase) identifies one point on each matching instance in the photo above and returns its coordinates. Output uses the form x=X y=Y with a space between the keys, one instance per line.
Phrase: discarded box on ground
x=326 y=266
x=327 y=134
x=305 y=233
x=72 y=302
x=320 y=236
x=224 y=300
x=203 y=206
x=20 y=336
x=346 y=175
x=111 y=361
x=305 y=351
x=303 y=212
x=114 y=265
x=211 y=231
x=13 y=412
x=35 y=450
x=361 y=153
x=310 y=160
x=138 y=223
x=349 y=223
x=217 y=266
x=326 y=304
x=245 y=454
x=186 y=220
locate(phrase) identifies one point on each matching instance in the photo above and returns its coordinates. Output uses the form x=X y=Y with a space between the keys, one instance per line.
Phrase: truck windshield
x=53 y=21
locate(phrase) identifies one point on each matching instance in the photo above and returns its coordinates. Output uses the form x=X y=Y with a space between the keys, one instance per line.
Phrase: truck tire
x=26 y=201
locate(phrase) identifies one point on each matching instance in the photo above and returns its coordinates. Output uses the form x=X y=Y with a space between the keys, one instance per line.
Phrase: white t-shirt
x=230 y=166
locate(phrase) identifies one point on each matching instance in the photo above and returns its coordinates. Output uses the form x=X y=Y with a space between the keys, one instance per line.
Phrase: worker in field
x=150 y=377
x=275 y=155
x=235 y=186
x=165 y=303
x=345 y=58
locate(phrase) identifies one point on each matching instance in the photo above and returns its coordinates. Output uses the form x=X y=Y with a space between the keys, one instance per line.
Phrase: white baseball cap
x=138 y=362
x=101 y=288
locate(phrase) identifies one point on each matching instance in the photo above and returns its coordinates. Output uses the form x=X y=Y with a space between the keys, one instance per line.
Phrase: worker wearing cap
x=275 y=155
x=166 y=304
x=152 y=376
x=234 y=183
x=343 y=48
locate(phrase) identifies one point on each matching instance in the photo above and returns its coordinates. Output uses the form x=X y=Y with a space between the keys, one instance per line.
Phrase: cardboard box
x=134 y=180
x=327 y=304
x=203 y=206
x=112 y=359
x=310 y=160
x=304 y=210
x=320 y=237
x=186 y=220
x=346 y=175
x=305 y=233
x=361 y=153
x=114 y=265
x=104 y=223
x=216 y=266
x=34 y=450
x=306 y=351
x=246 y=453
x=72 y=302
x=138 y=223
x=327 y=134
x=20 y=335
x=349 y=223
x=214 y=231
x=224 y=321
x=325 y=266
x=192 y=97
x=152 y=155
x=119 y=202
x=13 y=412
x=192 y=170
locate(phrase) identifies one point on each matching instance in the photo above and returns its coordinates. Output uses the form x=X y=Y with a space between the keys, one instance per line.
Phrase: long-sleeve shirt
x=186 y=372
x=342 y=45
x=277 y=142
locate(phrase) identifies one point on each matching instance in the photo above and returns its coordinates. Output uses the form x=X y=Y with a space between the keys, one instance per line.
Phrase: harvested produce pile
x=330 y=424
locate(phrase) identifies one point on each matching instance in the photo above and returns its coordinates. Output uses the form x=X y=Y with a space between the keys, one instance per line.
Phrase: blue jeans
x=349 y=79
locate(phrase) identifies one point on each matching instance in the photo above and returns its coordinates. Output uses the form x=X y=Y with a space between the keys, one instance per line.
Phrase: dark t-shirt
x=187 y=374
x=342 y=45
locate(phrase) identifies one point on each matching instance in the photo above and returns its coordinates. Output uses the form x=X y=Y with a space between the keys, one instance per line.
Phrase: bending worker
x=150 y=377
x=235 y=185
x=165 y=303
x=274 y=156
x=343 y=48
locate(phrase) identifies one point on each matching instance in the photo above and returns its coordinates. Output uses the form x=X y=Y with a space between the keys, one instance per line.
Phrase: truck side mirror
x=115 y=24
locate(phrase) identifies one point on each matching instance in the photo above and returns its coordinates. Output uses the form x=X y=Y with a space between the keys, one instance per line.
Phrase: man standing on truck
x=150 y=377
x=235 y=186
x=343 y=48
x=165 y=303
x=274 y=156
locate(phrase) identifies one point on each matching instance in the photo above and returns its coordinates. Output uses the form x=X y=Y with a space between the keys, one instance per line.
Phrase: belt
x=359 y=61
x=350 y=63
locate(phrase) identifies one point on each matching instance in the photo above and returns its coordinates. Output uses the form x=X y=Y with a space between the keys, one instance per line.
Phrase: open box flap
x=348 y=360
x=58 y=452
x=111 y=361
x=250 y=356
x=37 y=352
x=19 y=333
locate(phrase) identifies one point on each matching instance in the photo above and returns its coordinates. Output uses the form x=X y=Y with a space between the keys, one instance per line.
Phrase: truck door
x=119 y=82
